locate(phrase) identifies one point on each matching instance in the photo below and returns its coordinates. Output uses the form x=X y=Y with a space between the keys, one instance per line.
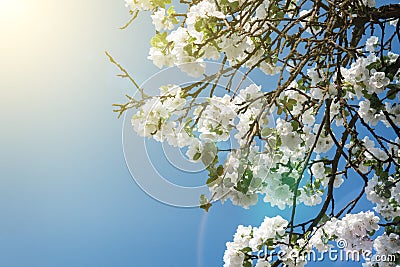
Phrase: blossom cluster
x=385 y=245
x=247 y=239
x=272 y=165
x=186 y=40
x=386 y=198
x=272 y=235
x=282 y=146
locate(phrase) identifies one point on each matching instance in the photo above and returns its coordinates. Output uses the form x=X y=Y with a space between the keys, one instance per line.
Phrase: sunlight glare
x=10 y=8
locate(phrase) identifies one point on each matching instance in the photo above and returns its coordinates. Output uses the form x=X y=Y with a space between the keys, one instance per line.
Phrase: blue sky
x=66 y=195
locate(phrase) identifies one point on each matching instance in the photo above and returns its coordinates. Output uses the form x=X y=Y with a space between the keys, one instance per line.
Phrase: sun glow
x=10 y=8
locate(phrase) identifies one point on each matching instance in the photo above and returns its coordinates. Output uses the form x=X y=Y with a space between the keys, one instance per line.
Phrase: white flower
x=235 y=46
x=204 y=9
x=371 y=44
x=316 y=93
x=338 y=181
x=261 y=12
x=240 y=199
x=262 y=263
x=324 y=144
x=368 y=114
x=315 y=75
x=387 y=245
x=139 y=4
x=384 y=205
x=269 y=69
x=194 y=68
x=216 y=121
x=354 y=229
x=243 y=235
x=160 y=21
x=159 y=59
x=277 y=194
x=211 y=52
x=283 y=127
x=308 y=117
x=312 y=198
x=318 y=169
x=392 y=57
x=369 y=3
x=394 y=22
x=305 y=21
x=335 y=108
x=269 y=228
x=232 y=256
x=379 y=81
x=318 y=240
x=291 y=140
x=178 y=36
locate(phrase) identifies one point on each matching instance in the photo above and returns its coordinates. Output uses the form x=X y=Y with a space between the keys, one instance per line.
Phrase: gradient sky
x=66 y=195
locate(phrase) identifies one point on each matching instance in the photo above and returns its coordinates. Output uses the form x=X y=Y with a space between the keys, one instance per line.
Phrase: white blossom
x=371 y=43
x=160 y=21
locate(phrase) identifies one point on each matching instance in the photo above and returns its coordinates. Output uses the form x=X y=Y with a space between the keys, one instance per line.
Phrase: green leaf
x=233 y=5
x=394 y=89
x=244 y=183
x=324 y=219
x=371 y=233
x=247 y=250
x=328 y=170
x=209 y=154
x=161 y=3
x=279 y=112
x=256 y=182
x=280 y=14
x=204 y=203
x=159 y=40
x=266 y=132
x=290 y=181
x=174 y=20
x=375 y=102
x=269 y=242
x=213 y=176
x=290 y=104
x=295 y=125
x=206 y=207
x=220 y=170
x=171 y=11
x=197 y=156
x=198 y=26
x=386 y=193
x=278 y=141
x=188 y=49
